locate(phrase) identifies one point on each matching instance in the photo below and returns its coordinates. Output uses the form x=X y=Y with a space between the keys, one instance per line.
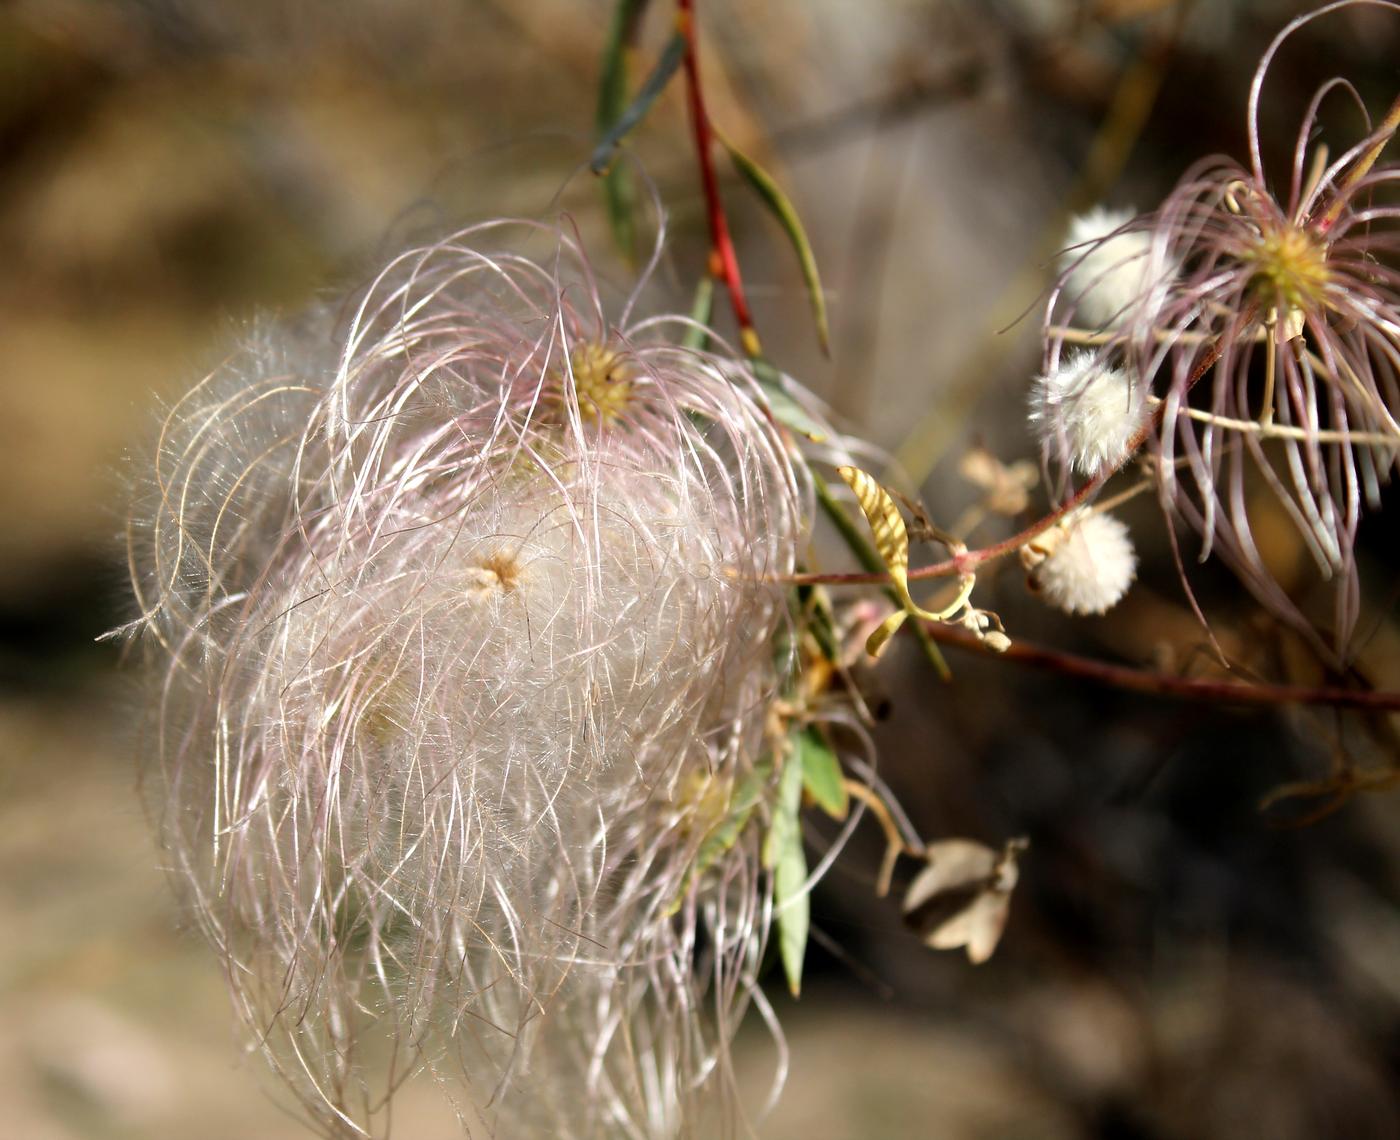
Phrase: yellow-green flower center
x=1290 y=269
x=602 y=380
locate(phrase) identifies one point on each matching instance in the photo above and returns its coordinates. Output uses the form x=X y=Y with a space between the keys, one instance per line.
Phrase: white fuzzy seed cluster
x=1084 y=565
x=1107 y=273
x=458 y=606
x=1087 y=410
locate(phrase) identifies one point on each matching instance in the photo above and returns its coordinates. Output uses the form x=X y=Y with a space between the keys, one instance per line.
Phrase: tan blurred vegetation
x=1174 y=967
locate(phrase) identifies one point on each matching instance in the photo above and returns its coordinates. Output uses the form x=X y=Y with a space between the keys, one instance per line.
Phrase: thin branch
x=1287 y=431
x=1068 y=334
x=1166 y=685
x=895 y=846
x=724 y=264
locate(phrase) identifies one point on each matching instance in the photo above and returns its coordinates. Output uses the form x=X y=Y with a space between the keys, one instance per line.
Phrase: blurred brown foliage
x=1176 y=966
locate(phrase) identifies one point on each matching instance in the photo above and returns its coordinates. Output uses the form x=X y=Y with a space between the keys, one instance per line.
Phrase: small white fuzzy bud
x=1108 y=273
x=1084 y=565
x=1089 y=410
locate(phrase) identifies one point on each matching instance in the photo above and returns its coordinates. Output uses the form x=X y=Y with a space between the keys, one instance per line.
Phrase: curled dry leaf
x=892 y=544
x=962 y=897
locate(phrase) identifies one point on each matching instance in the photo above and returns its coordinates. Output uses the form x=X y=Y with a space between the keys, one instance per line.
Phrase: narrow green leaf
x=696 y=338
x=636 y=110
x=620 y=196
x=813 y=609
x=821 y=772
x=786 y=410
x=786 y=804
x=747 y=796
x=783 y=854
x=794 y=911
x=619 y=193
x=782 y=208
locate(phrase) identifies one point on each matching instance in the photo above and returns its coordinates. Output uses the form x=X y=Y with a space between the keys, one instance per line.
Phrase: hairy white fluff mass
x=1087 y=410
x=1089 y=564
x=466 y=606
x=1108 y=273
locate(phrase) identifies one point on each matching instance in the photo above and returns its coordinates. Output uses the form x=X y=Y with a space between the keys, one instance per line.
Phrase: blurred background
x=1179 y=963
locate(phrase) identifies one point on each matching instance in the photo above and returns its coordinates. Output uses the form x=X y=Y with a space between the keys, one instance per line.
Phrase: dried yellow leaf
x=886 y=523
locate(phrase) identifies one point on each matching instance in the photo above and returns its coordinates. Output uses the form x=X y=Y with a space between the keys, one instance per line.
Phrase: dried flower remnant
x=1082 y=565
x=1272 y=352
x=961 y=899
x=438 y=657
x=1006 y=488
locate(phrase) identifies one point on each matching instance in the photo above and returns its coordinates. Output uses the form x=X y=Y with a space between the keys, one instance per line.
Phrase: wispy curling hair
x=1267 y=324
x=467 y=611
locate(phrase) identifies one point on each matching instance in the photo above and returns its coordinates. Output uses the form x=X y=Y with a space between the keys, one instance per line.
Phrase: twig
x=1288 y=431
x=724 y=264
x=895 y=846
x=1163 y=684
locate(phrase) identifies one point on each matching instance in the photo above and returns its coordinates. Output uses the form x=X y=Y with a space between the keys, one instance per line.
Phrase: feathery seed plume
x=458 y=605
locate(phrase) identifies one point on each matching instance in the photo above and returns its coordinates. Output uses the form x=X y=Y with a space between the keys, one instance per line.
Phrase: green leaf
x=812 y=608
x=618 y=190
x=785 y=409
x=636 y=110
x=821 y=772
x=696 y=337
x=782 y=208
x=794 y=913
x=612 y=82
x=747 y=796
x=783 y=854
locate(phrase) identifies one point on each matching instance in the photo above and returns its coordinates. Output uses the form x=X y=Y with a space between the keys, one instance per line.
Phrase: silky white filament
x=467 y=610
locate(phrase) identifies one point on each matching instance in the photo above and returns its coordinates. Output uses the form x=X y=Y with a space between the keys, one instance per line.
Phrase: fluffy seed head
x=458 y=604
x=1087 y=410
x=1274 y=346
x=1084 y=565
x=1109 y=268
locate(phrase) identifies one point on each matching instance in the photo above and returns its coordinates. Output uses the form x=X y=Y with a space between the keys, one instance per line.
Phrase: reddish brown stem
x=724 y=264
x=1162 y=684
